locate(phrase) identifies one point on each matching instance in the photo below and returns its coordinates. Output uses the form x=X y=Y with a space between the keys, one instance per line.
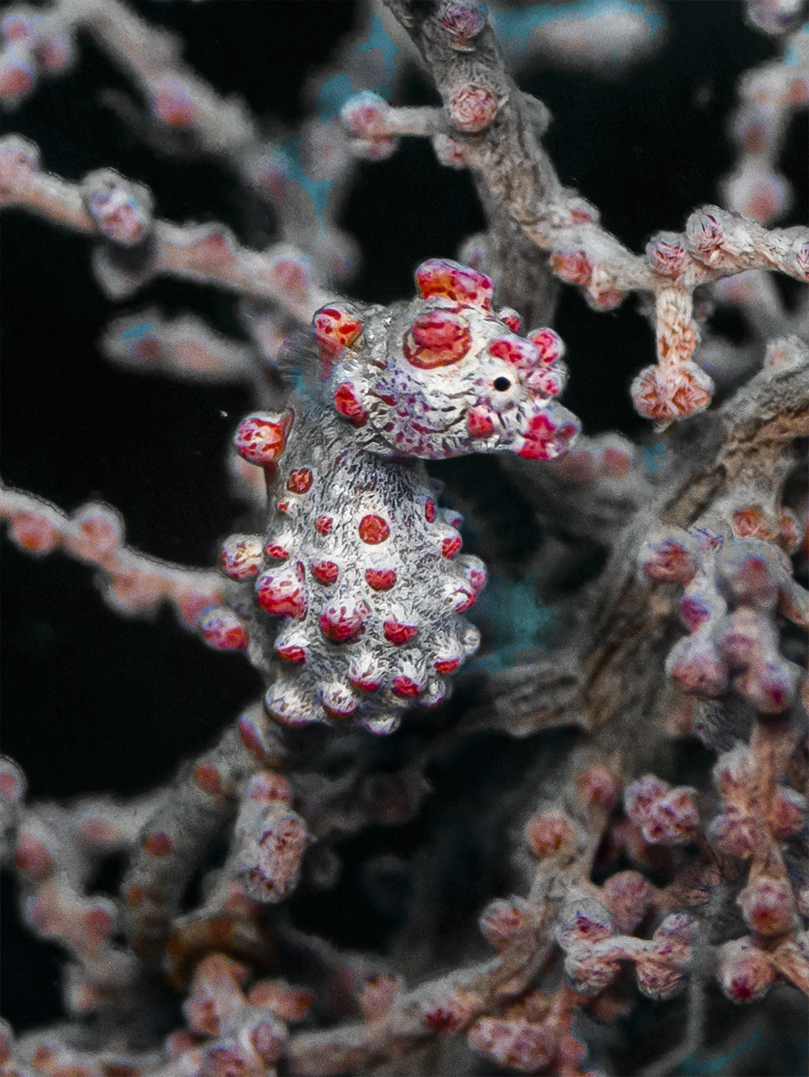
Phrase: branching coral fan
x=590 y=856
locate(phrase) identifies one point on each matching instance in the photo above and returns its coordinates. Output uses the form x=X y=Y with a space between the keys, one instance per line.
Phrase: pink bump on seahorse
x=353 y=600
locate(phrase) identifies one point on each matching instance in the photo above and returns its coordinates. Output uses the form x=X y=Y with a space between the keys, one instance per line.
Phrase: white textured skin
x=370 y=467
x=437 y=399
x=348 y=484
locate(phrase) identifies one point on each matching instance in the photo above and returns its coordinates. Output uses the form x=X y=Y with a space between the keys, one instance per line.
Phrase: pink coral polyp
x=671 y=393
x=472 y=109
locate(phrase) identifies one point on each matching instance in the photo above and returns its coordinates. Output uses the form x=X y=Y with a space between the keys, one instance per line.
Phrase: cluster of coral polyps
x=358 y=589
x=734 y=586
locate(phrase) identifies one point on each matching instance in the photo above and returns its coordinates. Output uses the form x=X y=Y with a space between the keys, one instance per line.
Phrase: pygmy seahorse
x=352 y=601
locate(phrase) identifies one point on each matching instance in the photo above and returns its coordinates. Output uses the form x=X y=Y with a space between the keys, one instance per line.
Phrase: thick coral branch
x=496 y=137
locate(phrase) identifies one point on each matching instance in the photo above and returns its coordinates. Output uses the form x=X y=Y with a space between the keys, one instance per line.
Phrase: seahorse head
x=444 y=375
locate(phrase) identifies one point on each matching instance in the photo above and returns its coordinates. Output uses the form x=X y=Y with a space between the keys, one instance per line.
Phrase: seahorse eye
x=501 y=384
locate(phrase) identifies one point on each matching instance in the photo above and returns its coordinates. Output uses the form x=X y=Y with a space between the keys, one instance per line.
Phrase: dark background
x=93 y=702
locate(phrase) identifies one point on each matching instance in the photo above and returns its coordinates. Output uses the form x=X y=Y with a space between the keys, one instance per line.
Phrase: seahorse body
x=357 y=587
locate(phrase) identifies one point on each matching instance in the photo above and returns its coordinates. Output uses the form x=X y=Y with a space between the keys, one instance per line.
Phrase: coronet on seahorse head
x=444 y=375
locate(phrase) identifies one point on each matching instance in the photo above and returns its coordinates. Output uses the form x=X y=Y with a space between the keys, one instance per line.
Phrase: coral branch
x=110 y=207
x=131 y=582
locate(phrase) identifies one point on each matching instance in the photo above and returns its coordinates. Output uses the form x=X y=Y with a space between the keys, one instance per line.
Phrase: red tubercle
x=546 y=833
x=380 y=579
x=749 y=521
x=798 y=91
x=405 y=687
x=450 y=280
x=334 y=329
x=437 y=338
x=399 y=633
x=344 y=621
x=546 y=384
x=324 y=525
x=744 y=969
x=365 y=676
x=480 y=421
x=338 y=701
x=11 y=783
x=604 y=297
x=337 y=713
x=325 y=572
x=373 y=529
x=283 y=505
x=430 y=510
x=18 y=29
x=281 y=594
x=261 y=438
x=347 y=402
x=147 y=350
x=292 y=653
x=100 y=532
x=475 y=574
x=276 y=551
x=599 y=786
x=450 y=546
x=299 y=481
x=579 y=465
x=548 y=436
x=367 y=685
x=214 y=251
x=511 y=318
x=462 y=599
x=520 y=353
x=445 y=666
x=669 y=561
x=549 y=345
